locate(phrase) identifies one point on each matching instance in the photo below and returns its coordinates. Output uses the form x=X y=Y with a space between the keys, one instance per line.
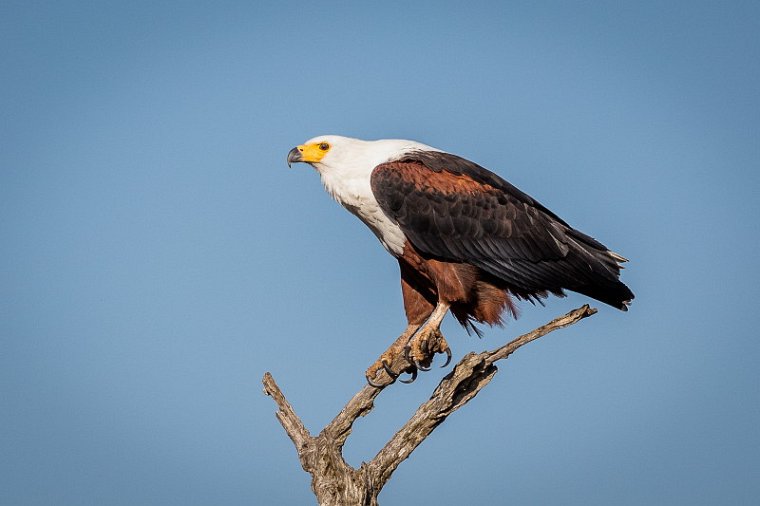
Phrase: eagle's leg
x=428 y=340
x=385 y=361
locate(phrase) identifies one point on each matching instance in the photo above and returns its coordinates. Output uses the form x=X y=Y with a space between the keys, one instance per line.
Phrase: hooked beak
x=294 y=155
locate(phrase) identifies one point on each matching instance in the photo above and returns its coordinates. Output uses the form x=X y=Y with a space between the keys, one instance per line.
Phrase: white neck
x=346 y=173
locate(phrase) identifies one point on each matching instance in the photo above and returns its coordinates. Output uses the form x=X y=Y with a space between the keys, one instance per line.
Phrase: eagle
x=466 y=240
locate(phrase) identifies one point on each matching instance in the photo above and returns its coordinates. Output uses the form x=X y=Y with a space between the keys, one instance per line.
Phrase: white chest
x=355 y=194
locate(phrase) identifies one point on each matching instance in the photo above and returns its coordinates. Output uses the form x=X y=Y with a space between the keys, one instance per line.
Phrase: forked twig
x=336 y=483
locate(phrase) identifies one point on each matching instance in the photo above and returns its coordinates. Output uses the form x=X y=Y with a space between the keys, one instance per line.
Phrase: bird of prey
x=466 y=240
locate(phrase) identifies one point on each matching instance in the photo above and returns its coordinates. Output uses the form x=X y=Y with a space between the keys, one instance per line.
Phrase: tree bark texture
x=334 y=482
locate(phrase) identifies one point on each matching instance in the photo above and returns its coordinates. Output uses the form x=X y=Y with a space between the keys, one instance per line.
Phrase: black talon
x=448 y=357
x=412 y=377
x=378 y=386
x=390 y=372
x=421 y=367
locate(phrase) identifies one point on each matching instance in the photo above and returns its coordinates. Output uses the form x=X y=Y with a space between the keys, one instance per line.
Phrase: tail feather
x=606 y=286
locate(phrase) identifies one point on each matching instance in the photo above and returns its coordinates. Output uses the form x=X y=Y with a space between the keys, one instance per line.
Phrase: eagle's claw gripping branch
x=334 y=482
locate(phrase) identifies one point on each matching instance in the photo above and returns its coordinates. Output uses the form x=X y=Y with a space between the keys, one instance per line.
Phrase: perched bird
x=466 y=240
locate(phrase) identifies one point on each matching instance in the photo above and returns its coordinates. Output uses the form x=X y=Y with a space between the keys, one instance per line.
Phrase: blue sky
x=158 y=256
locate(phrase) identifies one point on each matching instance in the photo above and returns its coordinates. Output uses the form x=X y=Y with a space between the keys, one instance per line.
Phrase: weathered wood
x=334 y=482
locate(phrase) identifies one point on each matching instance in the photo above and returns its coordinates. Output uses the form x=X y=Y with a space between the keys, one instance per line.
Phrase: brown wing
x=455 y=210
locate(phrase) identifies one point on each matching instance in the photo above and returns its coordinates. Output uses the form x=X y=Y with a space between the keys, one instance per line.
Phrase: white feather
x=345 y=172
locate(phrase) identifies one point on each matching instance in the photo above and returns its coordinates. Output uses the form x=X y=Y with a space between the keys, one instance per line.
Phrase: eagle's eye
x=324 y=146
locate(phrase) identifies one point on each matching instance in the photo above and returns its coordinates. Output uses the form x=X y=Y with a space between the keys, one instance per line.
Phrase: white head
x=336 y=154
x=345 y=167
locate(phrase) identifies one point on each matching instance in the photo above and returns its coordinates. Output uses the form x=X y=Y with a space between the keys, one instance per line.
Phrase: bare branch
x=558 y=323
x=287 y=417
x=469 y=376
x=360 y=405
x=336 y=483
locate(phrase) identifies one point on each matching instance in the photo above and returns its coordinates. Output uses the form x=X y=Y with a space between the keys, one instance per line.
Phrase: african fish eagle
x=466 y=240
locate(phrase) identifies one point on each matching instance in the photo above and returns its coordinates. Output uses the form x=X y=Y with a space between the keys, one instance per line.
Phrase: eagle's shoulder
x=439 y=171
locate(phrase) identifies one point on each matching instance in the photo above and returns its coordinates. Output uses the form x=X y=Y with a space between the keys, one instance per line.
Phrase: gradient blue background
x=157 y=256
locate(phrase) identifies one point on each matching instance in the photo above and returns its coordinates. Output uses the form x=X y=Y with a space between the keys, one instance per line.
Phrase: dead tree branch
x=334 y=482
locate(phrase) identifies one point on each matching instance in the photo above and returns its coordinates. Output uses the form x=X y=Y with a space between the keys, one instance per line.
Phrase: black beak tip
x=294 y=155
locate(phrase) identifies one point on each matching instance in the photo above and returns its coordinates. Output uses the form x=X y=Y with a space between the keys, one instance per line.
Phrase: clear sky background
x=157 y=256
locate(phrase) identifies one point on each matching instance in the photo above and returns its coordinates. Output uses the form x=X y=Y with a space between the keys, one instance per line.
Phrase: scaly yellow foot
x=423 y=346
x=386 y=360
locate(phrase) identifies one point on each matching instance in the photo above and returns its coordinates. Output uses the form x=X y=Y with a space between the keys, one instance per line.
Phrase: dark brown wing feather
x=455 y=210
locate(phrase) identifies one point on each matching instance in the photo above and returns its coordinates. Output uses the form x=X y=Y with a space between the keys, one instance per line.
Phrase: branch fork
x=334 y=482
